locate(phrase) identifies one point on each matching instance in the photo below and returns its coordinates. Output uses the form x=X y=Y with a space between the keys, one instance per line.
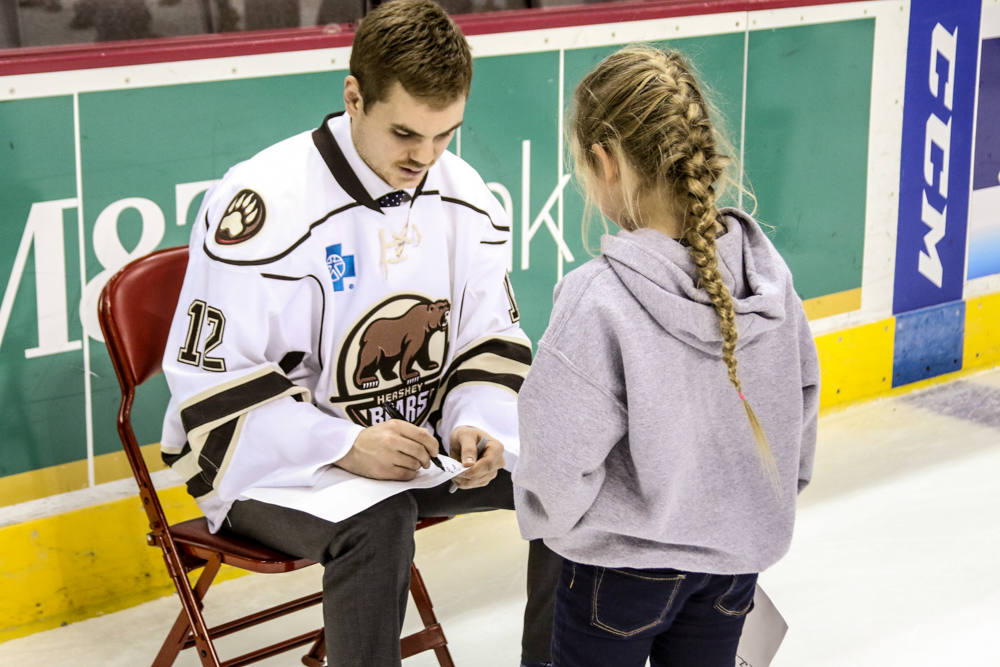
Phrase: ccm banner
x=942 y=55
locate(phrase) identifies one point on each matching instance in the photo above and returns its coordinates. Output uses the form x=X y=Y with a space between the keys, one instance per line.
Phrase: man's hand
x=391 y=450
x=481 y=469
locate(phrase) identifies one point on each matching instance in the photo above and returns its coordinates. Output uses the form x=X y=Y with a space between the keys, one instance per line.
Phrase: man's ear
x=608 y=166
x=354 y=104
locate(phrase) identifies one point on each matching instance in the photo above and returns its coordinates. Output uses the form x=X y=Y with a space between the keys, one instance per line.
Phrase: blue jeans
x=619 y=617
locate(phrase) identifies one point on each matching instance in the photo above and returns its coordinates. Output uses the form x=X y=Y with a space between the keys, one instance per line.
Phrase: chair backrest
x=136 y=309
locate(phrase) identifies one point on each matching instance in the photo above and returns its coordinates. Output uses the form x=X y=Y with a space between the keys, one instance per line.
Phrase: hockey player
x=336 y=272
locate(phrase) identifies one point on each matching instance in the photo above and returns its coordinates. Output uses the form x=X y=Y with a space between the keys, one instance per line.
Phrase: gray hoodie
x=635 y=448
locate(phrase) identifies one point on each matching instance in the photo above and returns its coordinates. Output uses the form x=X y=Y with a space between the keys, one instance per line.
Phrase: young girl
x=642 y=462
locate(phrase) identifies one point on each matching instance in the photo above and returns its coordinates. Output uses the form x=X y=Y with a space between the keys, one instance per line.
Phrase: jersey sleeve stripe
x=484 y=367
x=170 y=458
x=199 y=487
x=213 y=421
x=231 y=399
x=188 y=466
x=511 y=348
x=501 y=362
x=509 y=381
x=204 y=468
x=213 y=454
x=291 y=361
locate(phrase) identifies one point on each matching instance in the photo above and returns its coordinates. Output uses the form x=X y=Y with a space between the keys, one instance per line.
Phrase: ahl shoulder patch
x=243 y=219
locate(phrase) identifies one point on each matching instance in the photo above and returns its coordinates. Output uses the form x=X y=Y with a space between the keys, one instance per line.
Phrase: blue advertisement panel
x=984 y=210
x=941 y=60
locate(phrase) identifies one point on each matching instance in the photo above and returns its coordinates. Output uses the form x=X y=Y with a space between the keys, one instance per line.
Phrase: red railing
x=199 y=47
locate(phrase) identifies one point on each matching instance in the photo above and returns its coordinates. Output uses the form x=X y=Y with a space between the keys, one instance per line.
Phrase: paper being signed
x=340 y=494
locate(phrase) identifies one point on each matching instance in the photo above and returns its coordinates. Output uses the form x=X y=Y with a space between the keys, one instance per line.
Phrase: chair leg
x=422 y=600
x=179 y=634
x=316 y=657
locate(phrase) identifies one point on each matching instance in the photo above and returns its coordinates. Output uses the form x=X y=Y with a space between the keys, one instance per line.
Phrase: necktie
x=393 y=199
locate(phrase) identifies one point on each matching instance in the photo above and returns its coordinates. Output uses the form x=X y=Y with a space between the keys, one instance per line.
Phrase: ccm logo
x=938 y=133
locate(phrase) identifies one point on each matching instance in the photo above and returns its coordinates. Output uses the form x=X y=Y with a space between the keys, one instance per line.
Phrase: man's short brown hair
x=416 y=43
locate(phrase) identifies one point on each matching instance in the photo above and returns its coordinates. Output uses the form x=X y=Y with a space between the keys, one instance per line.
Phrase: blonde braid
x=645 y=107
x=701 y=238
x=696 y=174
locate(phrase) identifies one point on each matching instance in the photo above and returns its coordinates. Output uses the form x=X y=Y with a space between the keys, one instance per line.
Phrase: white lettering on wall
x=44 y=229
x=528 y=231
x=929 y=264
x=937 y=133
x=943 y=43
x=112 y=254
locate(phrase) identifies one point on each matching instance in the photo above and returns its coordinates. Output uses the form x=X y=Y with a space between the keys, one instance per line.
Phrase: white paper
x=763 y=633
x=340 y=494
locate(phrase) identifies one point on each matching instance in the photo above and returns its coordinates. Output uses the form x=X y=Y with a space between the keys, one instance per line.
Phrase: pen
x=393 y=413
x=480 y=446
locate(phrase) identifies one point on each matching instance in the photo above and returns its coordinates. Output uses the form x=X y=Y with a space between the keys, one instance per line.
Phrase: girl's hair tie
x=742 y=397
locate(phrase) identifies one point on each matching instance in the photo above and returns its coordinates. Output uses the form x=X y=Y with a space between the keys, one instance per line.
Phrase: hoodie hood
x=661 y=275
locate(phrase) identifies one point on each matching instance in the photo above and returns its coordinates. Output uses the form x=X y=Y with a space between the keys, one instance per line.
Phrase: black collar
x=328 y=148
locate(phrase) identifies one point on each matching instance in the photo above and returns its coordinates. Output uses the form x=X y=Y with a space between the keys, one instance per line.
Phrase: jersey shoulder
x=459 y=184
x=264 y=207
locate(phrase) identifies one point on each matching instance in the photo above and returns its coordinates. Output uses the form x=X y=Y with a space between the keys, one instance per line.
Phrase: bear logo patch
x=394 y=353
x=243 y=219
x=399 y=342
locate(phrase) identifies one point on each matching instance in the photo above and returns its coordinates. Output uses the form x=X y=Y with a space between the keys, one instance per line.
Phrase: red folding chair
x=136 y=310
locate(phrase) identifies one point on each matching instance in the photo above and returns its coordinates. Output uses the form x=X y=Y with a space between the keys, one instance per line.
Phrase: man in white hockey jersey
x=336 y=272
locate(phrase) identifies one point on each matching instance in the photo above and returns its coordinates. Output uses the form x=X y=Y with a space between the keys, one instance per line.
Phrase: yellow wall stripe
x=982 y=331
x=83 y=563
x=833 y=304
x=856 y=363
x=51 y=481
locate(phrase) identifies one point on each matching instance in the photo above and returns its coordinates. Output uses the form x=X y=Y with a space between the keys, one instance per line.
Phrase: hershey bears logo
x=394 y=353
x=401 y=341
x=243 y=219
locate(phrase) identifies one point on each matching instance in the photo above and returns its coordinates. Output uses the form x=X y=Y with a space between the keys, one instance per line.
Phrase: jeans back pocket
x=627 y=601
x=738 y=599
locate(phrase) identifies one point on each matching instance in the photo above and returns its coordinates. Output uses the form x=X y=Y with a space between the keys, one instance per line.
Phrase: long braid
x=701 y=238
x=696 y=174
x=645 y=107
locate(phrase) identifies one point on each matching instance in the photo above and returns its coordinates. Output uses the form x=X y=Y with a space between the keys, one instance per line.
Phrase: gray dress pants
x=366 y=561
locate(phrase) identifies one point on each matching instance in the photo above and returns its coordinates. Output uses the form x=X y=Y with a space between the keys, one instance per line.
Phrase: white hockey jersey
x=306 y=307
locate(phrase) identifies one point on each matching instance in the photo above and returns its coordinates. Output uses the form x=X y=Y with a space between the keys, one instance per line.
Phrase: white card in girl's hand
x=763 y=633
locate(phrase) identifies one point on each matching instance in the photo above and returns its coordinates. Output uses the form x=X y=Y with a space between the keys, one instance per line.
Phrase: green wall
x=808 y=105
x=41 y=399
x=806 y=156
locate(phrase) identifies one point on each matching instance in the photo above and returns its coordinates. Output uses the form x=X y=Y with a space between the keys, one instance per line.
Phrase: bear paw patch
x=244 y=218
